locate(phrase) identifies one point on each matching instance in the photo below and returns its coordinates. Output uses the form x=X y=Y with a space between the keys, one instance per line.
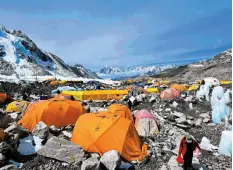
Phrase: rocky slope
x=117 y=73
x=219 y=66
x=21 y=58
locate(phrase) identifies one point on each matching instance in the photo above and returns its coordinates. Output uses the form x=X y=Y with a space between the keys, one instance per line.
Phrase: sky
x=123 y=33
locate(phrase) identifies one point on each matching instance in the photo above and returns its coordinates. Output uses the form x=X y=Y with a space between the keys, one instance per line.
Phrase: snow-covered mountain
x=20 y=58
x=117 y=73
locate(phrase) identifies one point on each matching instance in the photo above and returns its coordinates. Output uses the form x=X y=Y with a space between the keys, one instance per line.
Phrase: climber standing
x=187 y=146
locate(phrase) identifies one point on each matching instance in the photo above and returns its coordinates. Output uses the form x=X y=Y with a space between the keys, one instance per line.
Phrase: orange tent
x=5 y=97
x=105 y=132
x=120 y=109
x=180 y=87
x=169 y=94
x=56 y=111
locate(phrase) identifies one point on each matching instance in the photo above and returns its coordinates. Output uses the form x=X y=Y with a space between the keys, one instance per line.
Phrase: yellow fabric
x=193 y=87
x=56 y=111
x=152 y=90
x=180 y=87
x=97 y=94
x=62 y=82
x=225 y=82
x=105 y=132
x=120 y=109
x=17 y=106
x=54 y=82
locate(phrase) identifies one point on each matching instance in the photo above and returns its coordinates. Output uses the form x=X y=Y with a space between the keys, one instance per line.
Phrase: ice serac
x=21 y=58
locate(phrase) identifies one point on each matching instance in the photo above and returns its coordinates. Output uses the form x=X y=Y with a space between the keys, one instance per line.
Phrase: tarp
x=146 y=124
x=225 y=82
x=169 y=94
x=180 y=87
x=105 y=132
x=120 y=109
x=57 y=112
x=152 y=90
x=97 y=94
x=17 y=106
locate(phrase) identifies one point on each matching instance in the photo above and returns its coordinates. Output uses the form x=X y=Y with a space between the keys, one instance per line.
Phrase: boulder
x=204 y=115
x=5 y=119
x=206 y=120
x=111 y=159
x=9 y=167
x=178 y=114
x=41 y=130
x=16 y=129
x=5 y=148
x=53 y=129
x=67 y=134
x=91 y=164
x=181 y=120
x=198 y=122
x=62 y=150
x=152 y=99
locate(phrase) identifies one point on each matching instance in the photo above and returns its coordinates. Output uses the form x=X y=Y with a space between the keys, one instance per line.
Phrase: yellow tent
x=97 y=94
x=17 y=106
x=193 y=87
x=225 y=82
x=105 y=132
x=152 y=90
x=180 y=87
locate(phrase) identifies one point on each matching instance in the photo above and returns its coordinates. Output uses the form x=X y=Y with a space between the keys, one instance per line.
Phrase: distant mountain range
x=21 y=58
x=117 y=73
x=220 y=66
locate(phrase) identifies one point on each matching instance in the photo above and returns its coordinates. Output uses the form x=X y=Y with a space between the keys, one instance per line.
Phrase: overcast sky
x=98 y=33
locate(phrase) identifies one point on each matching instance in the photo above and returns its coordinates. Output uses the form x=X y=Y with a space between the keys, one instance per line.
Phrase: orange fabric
x=120 y=109
x=180 y=87
x=3 y=97
x=183 y=146
x=105 y=132
x=56 y=111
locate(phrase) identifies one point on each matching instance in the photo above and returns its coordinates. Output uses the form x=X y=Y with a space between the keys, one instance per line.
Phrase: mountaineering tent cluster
x=55 y=111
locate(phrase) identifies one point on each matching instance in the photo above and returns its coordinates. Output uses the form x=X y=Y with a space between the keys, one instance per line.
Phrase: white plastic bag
x=225 y=146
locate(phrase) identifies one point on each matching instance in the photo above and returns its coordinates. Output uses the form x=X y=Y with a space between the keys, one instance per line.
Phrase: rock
x=53 y=129
x=91 y=164
x=174 y=104
x=204 y=115
x=5 y=119
x=125 y=97
x=152 y=99
x=164 y=167
x=67 y=134
x=211 y=124
x=9 y=167
x=198 y=122
x=14 y=128
x=2 y=157
x=41 y=130
x=87 y=108
x=111 y=159
x=5 y=148
x=62 y=150
x=96 y=155
x=69 y=127
x=173 y=165
x=206 y=120
x=182 y=126
x=190 y=106
x=181 y=120
x=190 y=117
x=178 y=114
x=190 y=122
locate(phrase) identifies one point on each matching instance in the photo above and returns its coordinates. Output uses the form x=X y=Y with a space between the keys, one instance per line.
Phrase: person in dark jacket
x=187 y=146
x=129 y=104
